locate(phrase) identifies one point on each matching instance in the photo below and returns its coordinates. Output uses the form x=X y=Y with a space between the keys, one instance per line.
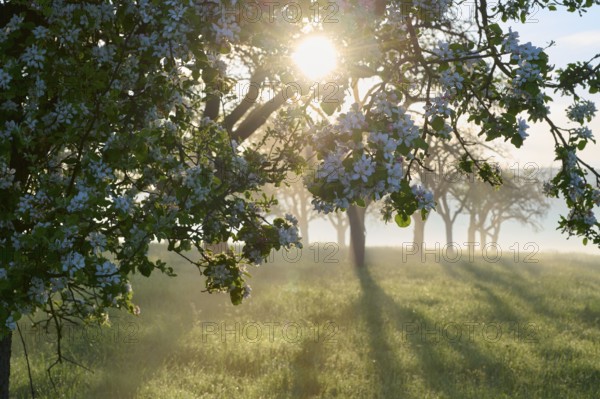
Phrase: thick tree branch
x=248 y=101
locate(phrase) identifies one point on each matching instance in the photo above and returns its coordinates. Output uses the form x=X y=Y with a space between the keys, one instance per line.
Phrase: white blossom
x=38 y=291
x=363 y=168
x=10 y=323
x=108 y=274
x=7 y=176
x=226 y=29
x=581 y=111
x=34 y=57
x=122 y=204
x=443 y=51
x=451 y=81
x=79 y=201
x=220 y=274
x=523 y=126
x=100 y=170
x=98 y=241
x=247 y=291
x=583 y=133
x=72 y=262
x=5 y=79
x=40 y=32
x=351 y=120
x=332 y=168
x=291 y=218
x=288 y=235
x=424 y=197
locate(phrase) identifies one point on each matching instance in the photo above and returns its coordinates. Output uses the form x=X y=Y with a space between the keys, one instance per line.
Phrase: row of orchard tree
x=519 y=199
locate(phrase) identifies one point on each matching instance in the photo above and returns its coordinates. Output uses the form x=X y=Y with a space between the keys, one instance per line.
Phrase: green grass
x=394 y=330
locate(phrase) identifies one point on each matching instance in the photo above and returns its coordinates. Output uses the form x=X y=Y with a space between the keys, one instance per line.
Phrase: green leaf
x=361 y=202
x=329 y=107
x=466 y=164
x=146 y=268
x=495 y=28
x=581 y=145
x=585 y=241
x=437 y=123
x=402 y=221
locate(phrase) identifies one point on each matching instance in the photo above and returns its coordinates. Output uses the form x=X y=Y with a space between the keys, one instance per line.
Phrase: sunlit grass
x=387 y=332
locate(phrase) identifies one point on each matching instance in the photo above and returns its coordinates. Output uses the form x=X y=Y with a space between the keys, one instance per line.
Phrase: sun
x=316 y=57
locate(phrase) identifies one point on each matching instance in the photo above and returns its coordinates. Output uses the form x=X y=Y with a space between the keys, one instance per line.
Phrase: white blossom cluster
x=108 y=274
x=525 y=57
x=38 y=291
x=289 y=234
x=361 y=161
x=443 y=51
x=79 y=201
x=7 y=175
x=451 y=81
x=226 y=29
x=424 y=198
x=220 y=274
x=72 y=263
x=522 y=128
x=582 y=111
x=195 y=179
x=586 y=216
x=583 y=133
x=112 y=130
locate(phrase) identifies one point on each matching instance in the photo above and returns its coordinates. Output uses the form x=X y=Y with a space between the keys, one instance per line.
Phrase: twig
x=26 y=360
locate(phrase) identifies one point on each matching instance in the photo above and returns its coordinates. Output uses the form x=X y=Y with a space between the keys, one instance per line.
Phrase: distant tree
x=519 y=198
x=341 y=225
x=294 y=198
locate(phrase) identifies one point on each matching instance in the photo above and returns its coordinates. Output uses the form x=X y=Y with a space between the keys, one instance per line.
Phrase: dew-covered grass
x=314 y=329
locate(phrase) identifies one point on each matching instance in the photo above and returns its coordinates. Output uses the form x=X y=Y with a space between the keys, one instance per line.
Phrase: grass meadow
x=313 y=328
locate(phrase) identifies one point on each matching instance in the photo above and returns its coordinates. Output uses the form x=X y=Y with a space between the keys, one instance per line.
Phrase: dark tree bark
x=356 y=216
x=5 y=352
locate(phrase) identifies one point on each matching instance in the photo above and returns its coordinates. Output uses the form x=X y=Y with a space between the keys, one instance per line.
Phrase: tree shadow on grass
x=504 y=276
x=446 y=364
x=388 y=369
x=307 y=365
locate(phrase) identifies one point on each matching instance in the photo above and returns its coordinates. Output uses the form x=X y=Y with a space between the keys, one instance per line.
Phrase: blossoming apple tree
x=121 y=123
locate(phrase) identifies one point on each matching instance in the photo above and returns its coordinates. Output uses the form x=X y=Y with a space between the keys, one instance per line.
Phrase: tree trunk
x=341 y=235
x=303 y=225
x=483 y=237
x=5 y=352
x=449 y=233
x=303 y=216
x=356 y=216
x=418 y=232
x=471 y=232
x=496 y=235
